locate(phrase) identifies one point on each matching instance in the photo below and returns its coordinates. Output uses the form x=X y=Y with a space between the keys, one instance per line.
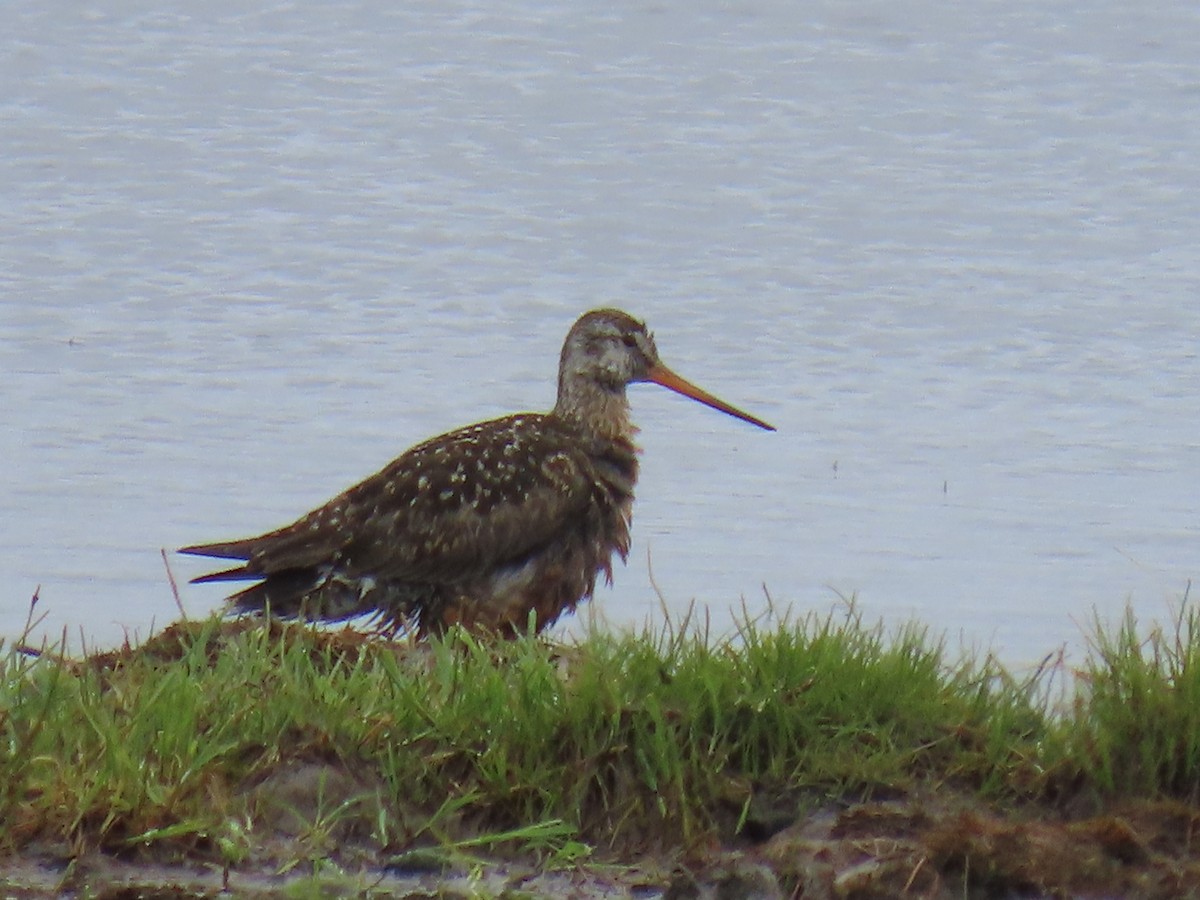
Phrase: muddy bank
x=228 y=759
x=936 y=848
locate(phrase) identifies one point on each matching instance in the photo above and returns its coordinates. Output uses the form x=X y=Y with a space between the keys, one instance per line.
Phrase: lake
x=250 y=252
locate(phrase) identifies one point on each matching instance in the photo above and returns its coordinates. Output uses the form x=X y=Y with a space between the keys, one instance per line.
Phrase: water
x=250 y=252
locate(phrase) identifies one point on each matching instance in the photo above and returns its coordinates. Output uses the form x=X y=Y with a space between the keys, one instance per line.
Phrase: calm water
x=249 y=252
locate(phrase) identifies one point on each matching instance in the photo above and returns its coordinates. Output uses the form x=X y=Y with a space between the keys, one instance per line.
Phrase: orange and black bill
x=660 y=374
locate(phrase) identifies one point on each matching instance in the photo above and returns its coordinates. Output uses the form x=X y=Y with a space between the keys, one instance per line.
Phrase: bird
x=498 y=527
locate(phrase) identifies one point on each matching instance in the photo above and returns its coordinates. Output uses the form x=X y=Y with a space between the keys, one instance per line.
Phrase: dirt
x=931 y=848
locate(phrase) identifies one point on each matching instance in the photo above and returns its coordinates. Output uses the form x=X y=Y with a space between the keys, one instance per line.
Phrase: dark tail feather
x=284 y=594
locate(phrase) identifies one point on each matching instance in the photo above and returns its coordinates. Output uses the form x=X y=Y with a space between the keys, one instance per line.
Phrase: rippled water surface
x=249 y=252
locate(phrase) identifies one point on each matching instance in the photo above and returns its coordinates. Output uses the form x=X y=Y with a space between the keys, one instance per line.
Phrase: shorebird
x=497 y=527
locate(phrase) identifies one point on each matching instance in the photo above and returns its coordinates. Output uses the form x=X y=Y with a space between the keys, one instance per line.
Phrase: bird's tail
x=316 y=596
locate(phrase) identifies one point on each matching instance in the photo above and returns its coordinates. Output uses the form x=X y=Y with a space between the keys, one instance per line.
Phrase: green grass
x=464 y=748
x=1134 y=728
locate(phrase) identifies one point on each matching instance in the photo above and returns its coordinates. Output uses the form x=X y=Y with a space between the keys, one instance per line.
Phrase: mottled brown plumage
x=486 y=526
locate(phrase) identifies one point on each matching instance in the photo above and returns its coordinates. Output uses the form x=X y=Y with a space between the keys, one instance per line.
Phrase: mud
x=933 y=848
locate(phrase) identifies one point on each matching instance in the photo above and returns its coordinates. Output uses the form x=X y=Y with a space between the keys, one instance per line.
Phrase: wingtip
x=238 y=574
x=225 y=550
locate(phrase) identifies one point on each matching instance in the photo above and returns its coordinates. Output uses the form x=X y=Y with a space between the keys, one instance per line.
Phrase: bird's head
x=606 y=350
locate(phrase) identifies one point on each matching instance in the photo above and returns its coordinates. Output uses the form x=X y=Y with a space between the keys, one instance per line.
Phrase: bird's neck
x=595 y=410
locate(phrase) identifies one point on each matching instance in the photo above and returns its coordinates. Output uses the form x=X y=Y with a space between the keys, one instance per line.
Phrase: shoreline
x=824 y=758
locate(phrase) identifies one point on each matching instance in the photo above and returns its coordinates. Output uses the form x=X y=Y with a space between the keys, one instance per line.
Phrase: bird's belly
x=527 y=594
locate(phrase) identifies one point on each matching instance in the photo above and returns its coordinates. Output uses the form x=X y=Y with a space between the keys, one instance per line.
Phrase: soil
x=933 y=848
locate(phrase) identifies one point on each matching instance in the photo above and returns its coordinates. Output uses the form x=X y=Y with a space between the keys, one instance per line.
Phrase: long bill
x=660 y=374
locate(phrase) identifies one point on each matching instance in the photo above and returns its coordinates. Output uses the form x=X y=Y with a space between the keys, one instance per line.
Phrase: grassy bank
x=284 y=749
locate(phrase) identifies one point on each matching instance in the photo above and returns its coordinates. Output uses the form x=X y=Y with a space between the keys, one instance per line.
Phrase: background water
x=249 y=252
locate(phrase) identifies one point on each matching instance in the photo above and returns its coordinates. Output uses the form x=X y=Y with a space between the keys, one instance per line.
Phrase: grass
x=217 y=738
x=1135 y=725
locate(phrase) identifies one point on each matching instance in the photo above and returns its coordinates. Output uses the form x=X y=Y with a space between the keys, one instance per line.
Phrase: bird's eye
x=629 y=340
